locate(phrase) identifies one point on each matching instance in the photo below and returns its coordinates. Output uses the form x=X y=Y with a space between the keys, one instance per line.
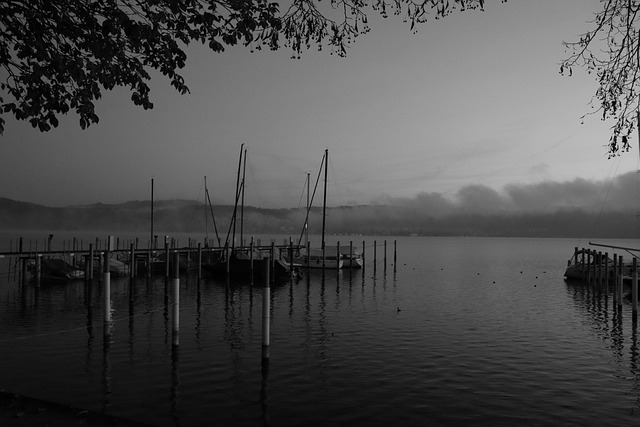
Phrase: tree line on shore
x=192 y=217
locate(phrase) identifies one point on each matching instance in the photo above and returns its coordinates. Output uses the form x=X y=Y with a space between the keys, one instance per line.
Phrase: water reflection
x=106 y=375
x=175 y=383
x=595 y=304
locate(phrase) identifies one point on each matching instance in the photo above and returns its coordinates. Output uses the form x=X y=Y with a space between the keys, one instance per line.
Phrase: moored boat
x=57 y=269
x=351 y=258
x=314 y=259
x=586 y=263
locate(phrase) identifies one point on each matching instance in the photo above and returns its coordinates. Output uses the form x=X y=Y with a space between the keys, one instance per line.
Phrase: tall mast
x=235 y=208
x=324 y=201
x=244 y=170
x=213 y=217
x=151 y=240
x=306 y=221
x=206 y=214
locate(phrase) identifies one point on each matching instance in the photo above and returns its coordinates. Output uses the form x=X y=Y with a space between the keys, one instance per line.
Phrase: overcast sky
x=475 y=98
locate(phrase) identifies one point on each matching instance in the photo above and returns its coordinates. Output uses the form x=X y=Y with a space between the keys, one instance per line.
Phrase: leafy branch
x=59 y=55
x=611 y=50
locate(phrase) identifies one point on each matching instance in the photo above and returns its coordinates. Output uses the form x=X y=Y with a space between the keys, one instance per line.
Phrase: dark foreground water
x=463 y=331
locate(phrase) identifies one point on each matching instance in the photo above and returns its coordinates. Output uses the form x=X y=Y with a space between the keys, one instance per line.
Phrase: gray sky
x=475 y=98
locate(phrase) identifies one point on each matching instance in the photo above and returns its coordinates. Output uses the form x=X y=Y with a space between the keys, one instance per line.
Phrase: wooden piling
x=149 y=257
x=228 y=258
x=385 y=255
x=272 y=261
x=251 y=258
x=91 y=255
x=599 y=272
x=634 y=287
x=615 y=277
x=266 y=308
x=395 y=258
x=175 y=312
x=199 y=260
x=23 y=263
x=290 y=255
x=166 y=257
x=591 y=263
x=375 y=255
x=606 y=273
x=619 y=289
x=132 y=261
x=350 y=254
x=38 y=268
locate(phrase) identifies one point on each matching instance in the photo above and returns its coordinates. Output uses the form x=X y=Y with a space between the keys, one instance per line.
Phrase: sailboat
x=242 y=260
x=318 y=258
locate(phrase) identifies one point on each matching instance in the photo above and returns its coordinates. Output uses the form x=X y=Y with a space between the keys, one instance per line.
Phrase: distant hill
x=192 y=217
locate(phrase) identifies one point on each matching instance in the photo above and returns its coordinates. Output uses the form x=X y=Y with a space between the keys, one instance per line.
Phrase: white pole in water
x=350 y=254
x=175 y=290
x=107 y=290
x=266 y=308
x=634 y=287
x=132 y=261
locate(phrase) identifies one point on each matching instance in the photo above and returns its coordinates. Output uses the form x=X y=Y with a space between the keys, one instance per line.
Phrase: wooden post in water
x=166 y=257
x=228 y=258
x=363 y=259
x=375 y=255
x=634 y=287
x=619 y=289
x=606 y=273
x=338 y=257
x=272 y=261
x=615 y=278
x=290 y=258
x=591 y=262
x=175 y=312
x=599 y=272
x=266 y=308
x=199 y=260
x=38 y=268
x=132 y=261
x=91 y=255
x=596 y=269
x=385 y=255
x=23 y=264
x=149 y=262
x=350 y=254
x=251 y=258
x=395 y=258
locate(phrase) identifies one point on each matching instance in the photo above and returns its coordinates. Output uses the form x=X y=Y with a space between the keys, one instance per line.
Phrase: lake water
x=462 y=331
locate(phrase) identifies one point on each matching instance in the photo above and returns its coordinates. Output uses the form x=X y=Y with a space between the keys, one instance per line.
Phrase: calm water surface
x=466 y=331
